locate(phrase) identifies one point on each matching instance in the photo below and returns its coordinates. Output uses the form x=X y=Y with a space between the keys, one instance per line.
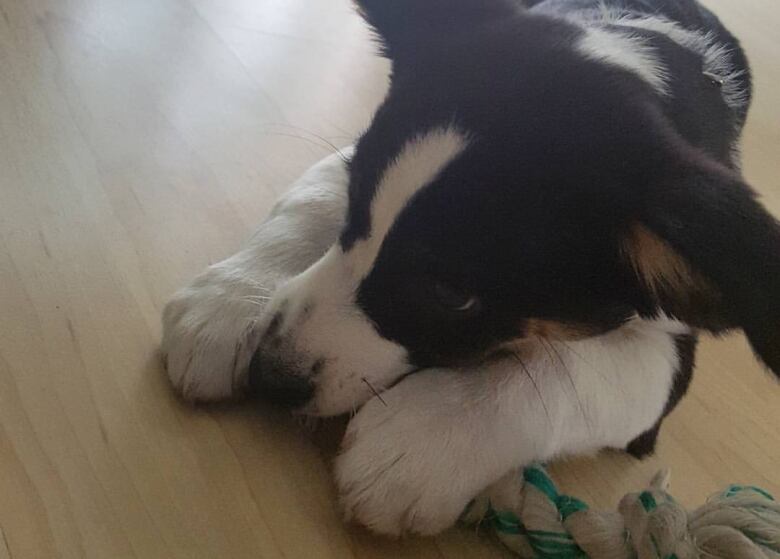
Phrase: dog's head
x=511 y=187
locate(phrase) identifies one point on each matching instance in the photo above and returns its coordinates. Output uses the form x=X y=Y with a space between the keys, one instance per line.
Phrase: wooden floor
x=141 y=140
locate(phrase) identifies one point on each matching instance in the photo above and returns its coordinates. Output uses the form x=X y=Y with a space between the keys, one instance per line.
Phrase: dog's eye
x=454 y=299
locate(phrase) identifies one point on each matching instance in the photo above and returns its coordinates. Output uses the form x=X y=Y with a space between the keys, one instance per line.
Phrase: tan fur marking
x=659 y=266
x=554 y=330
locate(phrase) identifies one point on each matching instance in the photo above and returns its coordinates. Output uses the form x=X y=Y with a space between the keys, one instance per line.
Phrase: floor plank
x=140 y=141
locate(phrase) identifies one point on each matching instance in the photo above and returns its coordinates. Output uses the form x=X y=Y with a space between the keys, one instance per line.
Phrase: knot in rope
x=534 y=520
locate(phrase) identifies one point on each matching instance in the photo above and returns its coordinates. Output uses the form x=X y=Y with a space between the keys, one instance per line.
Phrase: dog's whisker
x=323 y=142
x=256 y=298
x=572 y=351
x=256 y=302
x=542 y=341
x=323 y=139
x=263 y=294
x=257 y=285
x=533 y=381
x=374 y=391
x=571 y=382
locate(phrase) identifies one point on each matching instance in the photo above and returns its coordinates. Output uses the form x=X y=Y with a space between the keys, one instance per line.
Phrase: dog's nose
x=275 y=382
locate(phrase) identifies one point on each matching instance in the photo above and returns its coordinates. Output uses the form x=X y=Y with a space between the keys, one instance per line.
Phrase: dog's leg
x=413 y=459
x=644 y=445
x=209 y=331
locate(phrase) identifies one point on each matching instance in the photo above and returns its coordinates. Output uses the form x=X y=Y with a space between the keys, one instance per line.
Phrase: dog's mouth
x=311 y=409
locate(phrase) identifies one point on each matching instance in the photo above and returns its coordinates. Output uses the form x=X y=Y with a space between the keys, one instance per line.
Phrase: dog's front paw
x=209 y=332
x=402 y=472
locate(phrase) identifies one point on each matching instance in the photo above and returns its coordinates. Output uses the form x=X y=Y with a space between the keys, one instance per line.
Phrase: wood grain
x=140 y=141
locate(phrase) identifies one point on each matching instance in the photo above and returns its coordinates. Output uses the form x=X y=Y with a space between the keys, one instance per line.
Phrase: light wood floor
x=141 y=140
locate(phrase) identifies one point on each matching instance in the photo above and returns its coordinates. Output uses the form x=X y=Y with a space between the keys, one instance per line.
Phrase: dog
x=514 y=261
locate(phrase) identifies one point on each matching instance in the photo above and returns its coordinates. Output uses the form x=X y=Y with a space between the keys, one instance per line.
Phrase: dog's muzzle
x=275 y=381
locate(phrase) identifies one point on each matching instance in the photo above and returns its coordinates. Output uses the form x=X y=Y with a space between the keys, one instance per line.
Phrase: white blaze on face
x=416 y=166
x=322 y=322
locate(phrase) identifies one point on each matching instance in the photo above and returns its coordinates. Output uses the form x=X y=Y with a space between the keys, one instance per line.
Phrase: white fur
x=628 y=51
x=411 y=461
x=413 y=464
x=416 y=166
x=322 y=322
x=211 y=328
x=716 y=56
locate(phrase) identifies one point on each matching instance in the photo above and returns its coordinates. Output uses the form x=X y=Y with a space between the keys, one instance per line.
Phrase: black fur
x=278 y=382
x=565 y=156
x=644 y=445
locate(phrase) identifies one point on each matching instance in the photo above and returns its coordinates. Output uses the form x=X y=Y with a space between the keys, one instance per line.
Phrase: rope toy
x=535 y=521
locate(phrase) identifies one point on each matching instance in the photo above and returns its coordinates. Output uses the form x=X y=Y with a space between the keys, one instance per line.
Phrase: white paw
x=209 y=332
x=402 y=471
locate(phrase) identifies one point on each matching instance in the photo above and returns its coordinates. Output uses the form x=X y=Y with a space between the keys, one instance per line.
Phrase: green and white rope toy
x=535 y=521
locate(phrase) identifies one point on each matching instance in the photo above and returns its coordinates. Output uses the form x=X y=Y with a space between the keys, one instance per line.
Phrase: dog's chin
x=325 y=406
x=346 y=393
x=315 y=409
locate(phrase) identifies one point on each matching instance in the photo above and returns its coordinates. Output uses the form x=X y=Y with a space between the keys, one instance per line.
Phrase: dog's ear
x=405 y=25
x=708 y=252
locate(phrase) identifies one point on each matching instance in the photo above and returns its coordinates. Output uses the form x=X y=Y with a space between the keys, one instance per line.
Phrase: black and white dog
x=517 y=253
